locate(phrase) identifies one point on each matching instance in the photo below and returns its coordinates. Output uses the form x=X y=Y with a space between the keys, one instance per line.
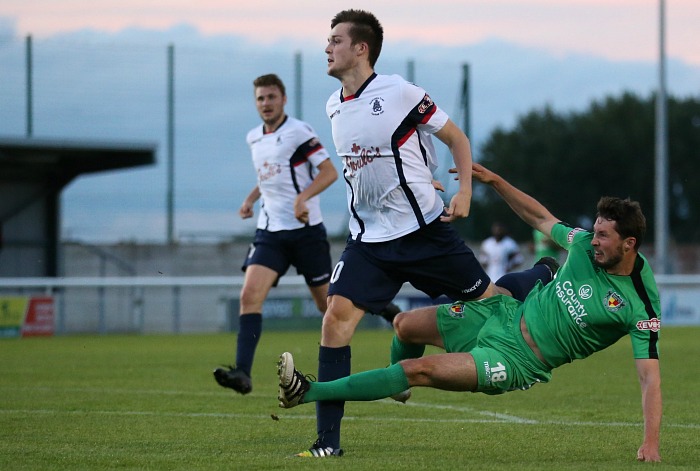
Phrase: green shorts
x=489 y=329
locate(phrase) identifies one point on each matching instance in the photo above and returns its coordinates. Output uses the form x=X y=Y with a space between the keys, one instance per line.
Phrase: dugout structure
x=33 y=172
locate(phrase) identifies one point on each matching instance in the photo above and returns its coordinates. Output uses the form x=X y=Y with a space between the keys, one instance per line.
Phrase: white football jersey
x=383 y=136
x=285 y=162
x=499 y=257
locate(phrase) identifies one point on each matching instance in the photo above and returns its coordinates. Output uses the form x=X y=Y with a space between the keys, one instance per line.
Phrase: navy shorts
x=434 y=259
x=307 y=249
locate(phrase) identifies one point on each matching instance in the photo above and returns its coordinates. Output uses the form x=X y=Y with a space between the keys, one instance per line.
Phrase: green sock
x=402 y=351
x=366 y=386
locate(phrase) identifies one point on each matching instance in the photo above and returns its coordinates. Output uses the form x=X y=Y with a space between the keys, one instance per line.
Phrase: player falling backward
x=604 y=291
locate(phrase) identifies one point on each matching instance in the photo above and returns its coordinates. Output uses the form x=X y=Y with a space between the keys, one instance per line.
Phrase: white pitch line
x=313 y=417
x=495 y=416
x=501 y=417
x=423 y=405
x=509 y=418
x=163 y=392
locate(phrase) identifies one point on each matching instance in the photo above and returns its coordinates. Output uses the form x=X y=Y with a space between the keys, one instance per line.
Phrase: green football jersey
x=585 y=309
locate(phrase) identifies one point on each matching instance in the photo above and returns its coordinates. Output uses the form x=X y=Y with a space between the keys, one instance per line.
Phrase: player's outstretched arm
x=525 y=206
x=650 y=382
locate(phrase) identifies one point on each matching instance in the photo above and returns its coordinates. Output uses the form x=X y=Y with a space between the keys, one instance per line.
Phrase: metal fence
x=171 y=304
x=210 y=304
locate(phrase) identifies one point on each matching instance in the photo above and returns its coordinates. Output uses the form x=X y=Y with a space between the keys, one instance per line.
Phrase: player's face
x=270 y=104
x=608 y=245
x=340 y=51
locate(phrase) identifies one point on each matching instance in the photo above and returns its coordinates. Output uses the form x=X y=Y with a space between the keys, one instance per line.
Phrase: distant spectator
x=500 y=254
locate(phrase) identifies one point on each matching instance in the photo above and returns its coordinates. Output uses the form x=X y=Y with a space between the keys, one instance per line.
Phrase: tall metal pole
x=466 y=104
x=411 y=71
x=171 y=146
x=661 y=161
x=30 y=90
x=298 y=86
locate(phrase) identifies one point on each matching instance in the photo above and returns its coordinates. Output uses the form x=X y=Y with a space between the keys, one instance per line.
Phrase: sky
x=613 y=29
x=523 y=54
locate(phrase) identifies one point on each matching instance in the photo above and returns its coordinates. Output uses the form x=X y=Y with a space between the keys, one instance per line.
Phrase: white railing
x=209 y=304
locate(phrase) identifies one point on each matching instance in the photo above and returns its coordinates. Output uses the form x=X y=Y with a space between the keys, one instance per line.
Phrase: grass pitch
x=150 y=402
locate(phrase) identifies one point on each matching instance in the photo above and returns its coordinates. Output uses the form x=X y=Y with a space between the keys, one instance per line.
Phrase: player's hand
x=479 y=172
x=648 y=453
x=459 y=207
x=303 y=217
x=301 y=212
x=438 y=185
x=482 y=174
x=246 y=210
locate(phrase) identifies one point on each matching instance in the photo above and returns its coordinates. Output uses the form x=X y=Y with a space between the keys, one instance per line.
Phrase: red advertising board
x=39 y=320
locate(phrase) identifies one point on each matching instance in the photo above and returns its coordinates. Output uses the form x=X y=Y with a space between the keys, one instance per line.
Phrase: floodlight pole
x=30 y=91
x=661 y=228
x=171 y=146
x=298 y=66
x=466 y=105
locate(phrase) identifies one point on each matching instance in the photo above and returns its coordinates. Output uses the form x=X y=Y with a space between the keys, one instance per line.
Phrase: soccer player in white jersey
x=499 y=254
x=399 y=227
x=292 y=169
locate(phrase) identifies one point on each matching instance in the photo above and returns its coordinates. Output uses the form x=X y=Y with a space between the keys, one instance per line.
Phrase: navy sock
x=249 y=329
x=333 y=363
x=521 y=283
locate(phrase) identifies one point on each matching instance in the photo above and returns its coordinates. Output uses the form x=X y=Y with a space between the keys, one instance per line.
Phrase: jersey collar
x=359 y=90
x=277 y=128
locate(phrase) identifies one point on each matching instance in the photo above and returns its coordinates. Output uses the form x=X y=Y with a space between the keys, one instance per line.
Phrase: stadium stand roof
x=33 y=172
x=30 y=158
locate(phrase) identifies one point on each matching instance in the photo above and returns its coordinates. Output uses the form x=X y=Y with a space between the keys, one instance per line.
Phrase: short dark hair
x=270 y=80
x=628 y=217
x=365 y=28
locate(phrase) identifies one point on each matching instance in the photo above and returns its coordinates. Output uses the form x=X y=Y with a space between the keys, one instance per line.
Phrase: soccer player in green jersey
x=604 y=291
